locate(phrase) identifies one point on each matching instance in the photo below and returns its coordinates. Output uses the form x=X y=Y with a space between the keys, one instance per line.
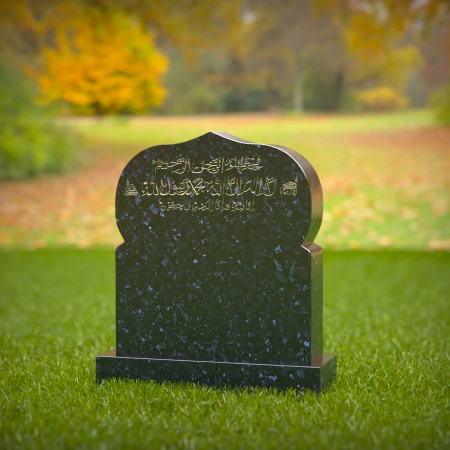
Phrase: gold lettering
x=130 y=189
x=223 y=193
x=289 y=188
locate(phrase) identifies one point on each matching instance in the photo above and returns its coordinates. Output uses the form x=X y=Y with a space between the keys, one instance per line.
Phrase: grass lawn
x=384 y=176
x=264 y=128
x=386 y=317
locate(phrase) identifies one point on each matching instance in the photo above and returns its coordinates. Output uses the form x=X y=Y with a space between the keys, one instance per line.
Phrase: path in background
x=385 y=178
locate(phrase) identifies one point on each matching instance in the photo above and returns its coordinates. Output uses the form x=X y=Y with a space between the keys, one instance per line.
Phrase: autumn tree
x=98 y=62
x=350 y=45
x=291 y=51
x=382 y=38
x=101 y=56
x=287 y=45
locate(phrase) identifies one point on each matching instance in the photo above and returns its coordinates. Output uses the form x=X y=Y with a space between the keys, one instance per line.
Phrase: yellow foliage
x=101 y=62
x=382 y=99
x=374 y=34
x=378 y=49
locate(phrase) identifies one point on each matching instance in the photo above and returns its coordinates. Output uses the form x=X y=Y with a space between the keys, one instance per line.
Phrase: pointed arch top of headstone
x=222 y=176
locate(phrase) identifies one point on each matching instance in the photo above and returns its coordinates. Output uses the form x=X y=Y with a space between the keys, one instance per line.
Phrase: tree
x=100 y=56
x=345 y=45
x=267 y=47
x=31 y=142
x=382 y=37
x=99 y=63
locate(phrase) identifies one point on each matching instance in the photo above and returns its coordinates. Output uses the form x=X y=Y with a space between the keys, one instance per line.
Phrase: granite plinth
x=219 y=374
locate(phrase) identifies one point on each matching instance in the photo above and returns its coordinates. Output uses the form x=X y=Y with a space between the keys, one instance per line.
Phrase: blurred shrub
x=321 y=94
x=243 y=99
x=196 y=99
x=202 y=99
x=253 y=99
x=318 y=93
x=440 y=102
x=350 y=102
x=30 y=141
x=381 y=99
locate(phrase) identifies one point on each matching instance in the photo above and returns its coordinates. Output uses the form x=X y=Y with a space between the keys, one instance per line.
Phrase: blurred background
x=360 y=88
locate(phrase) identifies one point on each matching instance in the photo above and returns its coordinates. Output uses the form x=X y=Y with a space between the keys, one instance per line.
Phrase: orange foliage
x=101 y=62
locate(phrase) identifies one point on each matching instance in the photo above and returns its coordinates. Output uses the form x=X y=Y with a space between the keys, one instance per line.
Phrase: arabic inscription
x=227 y=192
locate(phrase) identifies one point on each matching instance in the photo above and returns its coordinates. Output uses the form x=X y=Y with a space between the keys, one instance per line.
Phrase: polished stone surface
x=315 y=376
x=218 y=263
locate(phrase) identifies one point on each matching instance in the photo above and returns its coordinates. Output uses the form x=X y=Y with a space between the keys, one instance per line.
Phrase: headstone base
x=219 y=374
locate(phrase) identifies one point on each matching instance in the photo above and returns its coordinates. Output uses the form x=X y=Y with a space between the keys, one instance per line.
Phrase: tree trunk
x=298 y=89
x=98 y=109
x=338 y=91
x=272 y=94
x=237 y=70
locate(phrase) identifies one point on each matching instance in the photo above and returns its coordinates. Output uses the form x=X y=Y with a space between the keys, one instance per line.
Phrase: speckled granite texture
x=218 y=279
x=316 y=376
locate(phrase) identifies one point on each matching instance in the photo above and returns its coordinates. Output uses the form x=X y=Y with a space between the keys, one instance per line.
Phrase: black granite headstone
x=218 y=280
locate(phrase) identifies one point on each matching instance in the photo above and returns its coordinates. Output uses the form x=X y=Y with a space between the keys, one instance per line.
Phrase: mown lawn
x=386 y=317
x=385 y=181
x=263 y=128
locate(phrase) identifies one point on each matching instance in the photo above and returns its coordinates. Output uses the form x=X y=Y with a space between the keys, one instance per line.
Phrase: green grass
x=257 y=128
x=386 y=317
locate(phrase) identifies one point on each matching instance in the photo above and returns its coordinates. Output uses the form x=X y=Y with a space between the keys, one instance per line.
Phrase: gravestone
x=218 y=280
